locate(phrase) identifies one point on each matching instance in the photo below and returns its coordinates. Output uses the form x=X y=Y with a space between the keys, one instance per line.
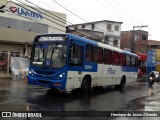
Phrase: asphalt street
x=17 y=95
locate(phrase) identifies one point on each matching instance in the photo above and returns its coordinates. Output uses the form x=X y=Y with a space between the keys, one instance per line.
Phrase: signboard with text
x=25 y=12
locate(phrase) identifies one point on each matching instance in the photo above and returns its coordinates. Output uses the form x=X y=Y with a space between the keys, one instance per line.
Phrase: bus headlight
x=60 y=76
x=32 y=72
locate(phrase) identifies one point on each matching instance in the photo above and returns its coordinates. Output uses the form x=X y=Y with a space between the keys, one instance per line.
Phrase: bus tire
x=52 y=91
x=122 y=84
x=86 y=84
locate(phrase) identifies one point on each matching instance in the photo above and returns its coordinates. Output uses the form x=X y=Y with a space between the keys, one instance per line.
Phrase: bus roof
x=130 y=54
x=92 y=42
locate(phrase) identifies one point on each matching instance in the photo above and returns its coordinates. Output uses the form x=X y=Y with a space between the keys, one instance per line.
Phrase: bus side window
x=98 y=54
x=89 y=53
x=136 y=62
x=122 y=59
x=133 y=61
x=115 y=58
x=75 y=55
x=128 y=60
x=107 y=57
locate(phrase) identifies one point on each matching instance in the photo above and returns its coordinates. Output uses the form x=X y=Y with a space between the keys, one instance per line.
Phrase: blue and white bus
x=66 y=62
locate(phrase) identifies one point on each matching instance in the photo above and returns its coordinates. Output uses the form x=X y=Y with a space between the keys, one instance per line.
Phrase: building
x=153 y=44
x=135 y=41
x=148 y=50
x=20 y=23
x=104 y=31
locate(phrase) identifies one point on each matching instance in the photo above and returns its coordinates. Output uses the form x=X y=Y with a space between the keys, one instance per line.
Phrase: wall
x=10 y=7
x=19 y=25
x=139 y=45
x=102 y=27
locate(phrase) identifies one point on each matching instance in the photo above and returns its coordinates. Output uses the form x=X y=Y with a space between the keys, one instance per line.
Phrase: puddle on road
x=135 y=104
x=150 y=102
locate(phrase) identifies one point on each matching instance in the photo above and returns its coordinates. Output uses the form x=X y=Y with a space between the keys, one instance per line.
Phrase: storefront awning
x=142 y=56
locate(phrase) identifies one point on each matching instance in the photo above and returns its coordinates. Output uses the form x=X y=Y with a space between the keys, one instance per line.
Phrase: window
x=116 y=27
x=83 y=26
x=76 y=55
x=133 y=61
x=106 y=39
x=15 y=54
x=144 y=37
x=115 y=58
x=98 y=55
x=107 y=56
x=93 y=26
x=89 y=53
x=106 y=42
x=115 y=42
x=136 y=37
x=122 y=59
x=128 y=60
x=109 y=27
x=49 y=55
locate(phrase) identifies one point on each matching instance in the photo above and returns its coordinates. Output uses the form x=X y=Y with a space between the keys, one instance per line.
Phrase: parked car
x=157 y=77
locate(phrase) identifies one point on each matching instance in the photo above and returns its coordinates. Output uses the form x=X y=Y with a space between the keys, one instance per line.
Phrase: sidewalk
x=3 y=75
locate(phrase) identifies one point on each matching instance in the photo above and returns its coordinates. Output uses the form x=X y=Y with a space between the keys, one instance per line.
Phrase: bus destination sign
x=52 y=38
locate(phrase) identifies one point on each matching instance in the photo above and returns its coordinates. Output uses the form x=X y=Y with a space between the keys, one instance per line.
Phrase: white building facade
x=111 y=30
x=19 y=24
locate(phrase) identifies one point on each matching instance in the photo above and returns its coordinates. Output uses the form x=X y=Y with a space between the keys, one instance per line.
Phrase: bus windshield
x=52 y=55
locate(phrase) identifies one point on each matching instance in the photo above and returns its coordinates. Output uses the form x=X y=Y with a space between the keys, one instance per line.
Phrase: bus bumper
x=59 y=84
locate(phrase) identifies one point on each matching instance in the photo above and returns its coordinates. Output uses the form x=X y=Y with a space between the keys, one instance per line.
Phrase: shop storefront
x=19 y=24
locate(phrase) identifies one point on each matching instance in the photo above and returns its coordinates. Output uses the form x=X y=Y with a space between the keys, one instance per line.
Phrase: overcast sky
x=130 y=12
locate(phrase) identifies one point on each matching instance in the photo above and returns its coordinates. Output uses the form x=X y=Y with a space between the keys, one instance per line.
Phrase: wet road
x=17 y=95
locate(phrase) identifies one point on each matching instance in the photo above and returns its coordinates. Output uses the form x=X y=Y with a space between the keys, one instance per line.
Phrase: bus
x=65 y=62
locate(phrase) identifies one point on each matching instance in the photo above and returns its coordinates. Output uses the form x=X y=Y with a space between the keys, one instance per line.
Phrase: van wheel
x=86 y=85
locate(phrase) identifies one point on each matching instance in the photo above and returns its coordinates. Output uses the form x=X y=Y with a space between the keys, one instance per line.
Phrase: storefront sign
x=25 y=12
x=151 y=60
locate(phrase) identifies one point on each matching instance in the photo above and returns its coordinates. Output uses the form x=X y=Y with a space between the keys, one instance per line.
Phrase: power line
x=76 y=15
x=51 y=16
x=120 y=11
x=51 y=7
x=58 y=29
x=113 y=11
x=60 y=19
x=69 y=10
x=127 y=11
x=41 y=23
x=133 y=16
x=35 y=20
x=41 y=12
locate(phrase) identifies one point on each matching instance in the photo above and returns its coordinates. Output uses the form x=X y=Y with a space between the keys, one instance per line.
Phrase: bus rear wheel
x=122 y=84
x=86 y=85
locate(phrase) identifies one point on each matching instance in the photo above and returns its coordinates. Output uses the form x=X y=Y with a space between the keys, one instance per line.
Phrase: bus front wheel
x=52 y=91
x=86 y=84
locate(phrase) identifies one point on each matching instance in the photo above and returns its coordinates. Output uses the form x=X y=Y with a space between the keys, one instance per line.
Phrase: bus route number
x=88 y=67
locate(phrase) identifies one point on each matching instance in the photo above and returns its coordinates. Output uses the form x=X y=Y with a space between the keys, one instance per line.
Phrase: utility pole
x=133 y=39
